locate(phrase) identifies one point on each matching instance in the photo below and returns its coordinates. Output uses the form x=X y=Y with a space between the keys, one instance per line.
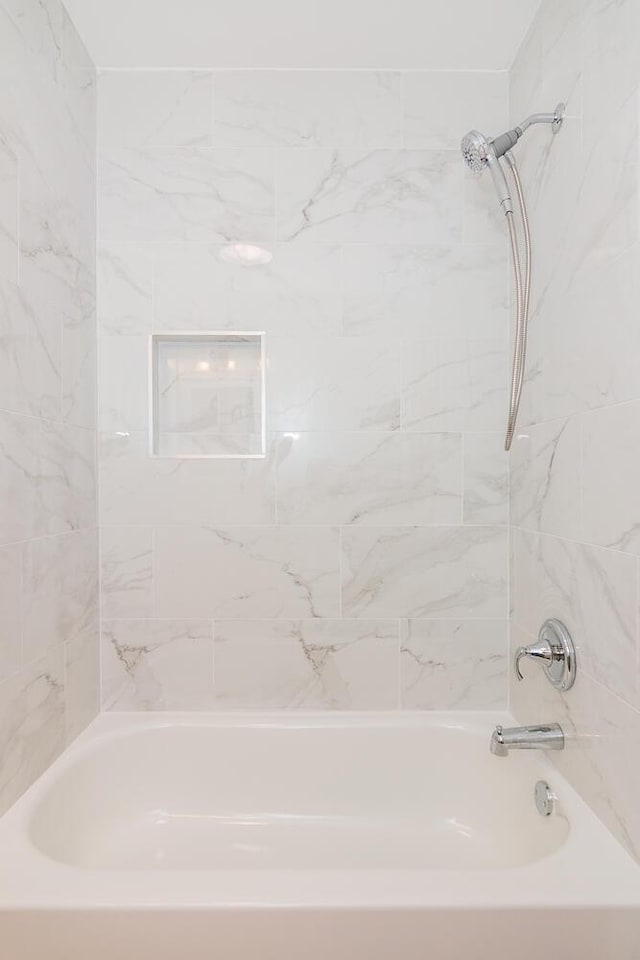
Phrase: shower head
x=475 y=150
x=479 y=152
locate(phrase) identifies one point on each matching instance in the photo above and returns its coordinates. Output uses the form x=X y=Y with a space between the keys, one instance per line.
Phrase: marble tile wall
x=575 y=466
x=363 y=563
x=49 y=623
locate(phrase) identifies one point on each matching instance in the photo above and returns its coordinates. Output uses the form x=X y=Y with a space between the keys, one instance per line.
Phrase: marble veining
x=545 y=478
x=82 y=677
x=127 y=572
x=451 y=384
x=240 y=572
x=47 y=480
x=610 y=470
x=186 y=193
x=424 y=290
x=377 y=499
x=157 y=665
x=125 y=288
x=59 y=585
x=575 y=465
x=486 y=479
x=333 y=384
x=454 y=664
x=440 y=572
x=49 y=648
x=350 y=478
x=139 y=489
x=155 y=108
x=30 y=354
x=301 y=108
x=10 y=610
x=329 y=664
x=349 y=195
x=123 y=382
x=35 y=32
x=9 y=214
x=436 y=113
x=594 y=591
x=32 y=724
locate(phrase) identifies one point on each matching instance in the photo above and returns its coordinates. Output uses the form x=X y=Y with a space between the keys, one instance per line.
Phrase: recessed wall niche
x=207 y=394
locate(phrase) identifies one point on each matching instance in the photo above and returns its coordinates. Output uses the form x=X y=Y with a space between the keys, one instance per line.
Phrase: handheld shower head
x=478 y=153
x=475 y=149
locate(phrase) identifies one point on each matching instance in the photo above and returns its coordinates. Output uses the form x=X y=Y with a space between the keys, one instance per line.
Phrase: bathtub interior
x=258 y=795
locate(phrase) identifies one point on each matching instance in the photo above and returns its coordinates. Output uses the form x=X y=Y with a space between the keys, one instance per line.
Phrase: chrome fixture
x=481 y=153
x=544 y=798
x=554 y=649
x=539 y=736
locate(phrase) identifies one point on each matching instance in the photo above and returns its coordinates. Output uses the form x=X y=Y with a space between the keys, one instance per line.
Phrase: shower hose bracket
x=558 y=117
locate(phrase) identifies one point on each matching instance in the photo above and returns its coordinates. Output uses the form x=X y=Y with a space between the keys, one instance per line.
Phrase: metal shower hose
x=522 y=303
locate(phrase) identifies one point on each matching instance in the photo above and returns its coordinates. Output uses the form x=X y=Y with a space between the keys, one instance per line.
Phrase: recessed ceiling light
x=247 y=253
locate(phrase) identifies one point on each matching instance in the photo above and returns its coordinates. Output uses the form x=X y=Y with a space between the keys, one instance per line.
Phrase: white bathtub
x=314 y=837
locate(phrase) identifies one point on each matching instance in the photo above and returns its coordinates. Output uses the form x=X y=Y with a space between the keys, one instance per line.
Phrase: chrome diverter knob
x=554 y=649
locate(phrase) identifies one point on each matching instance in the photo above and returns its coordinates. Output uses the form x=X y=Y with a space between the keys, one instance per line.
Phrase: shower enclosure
x=266 y=568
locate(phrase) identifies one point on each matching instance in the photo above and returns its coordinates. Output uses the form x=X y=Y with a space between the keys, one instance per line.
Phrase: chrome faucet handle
x=554 y=648
x=537 y=651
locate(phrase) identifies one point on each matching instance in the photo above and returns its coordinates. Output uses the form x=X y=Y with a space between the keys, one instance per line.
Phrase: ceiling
x=401 y=34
